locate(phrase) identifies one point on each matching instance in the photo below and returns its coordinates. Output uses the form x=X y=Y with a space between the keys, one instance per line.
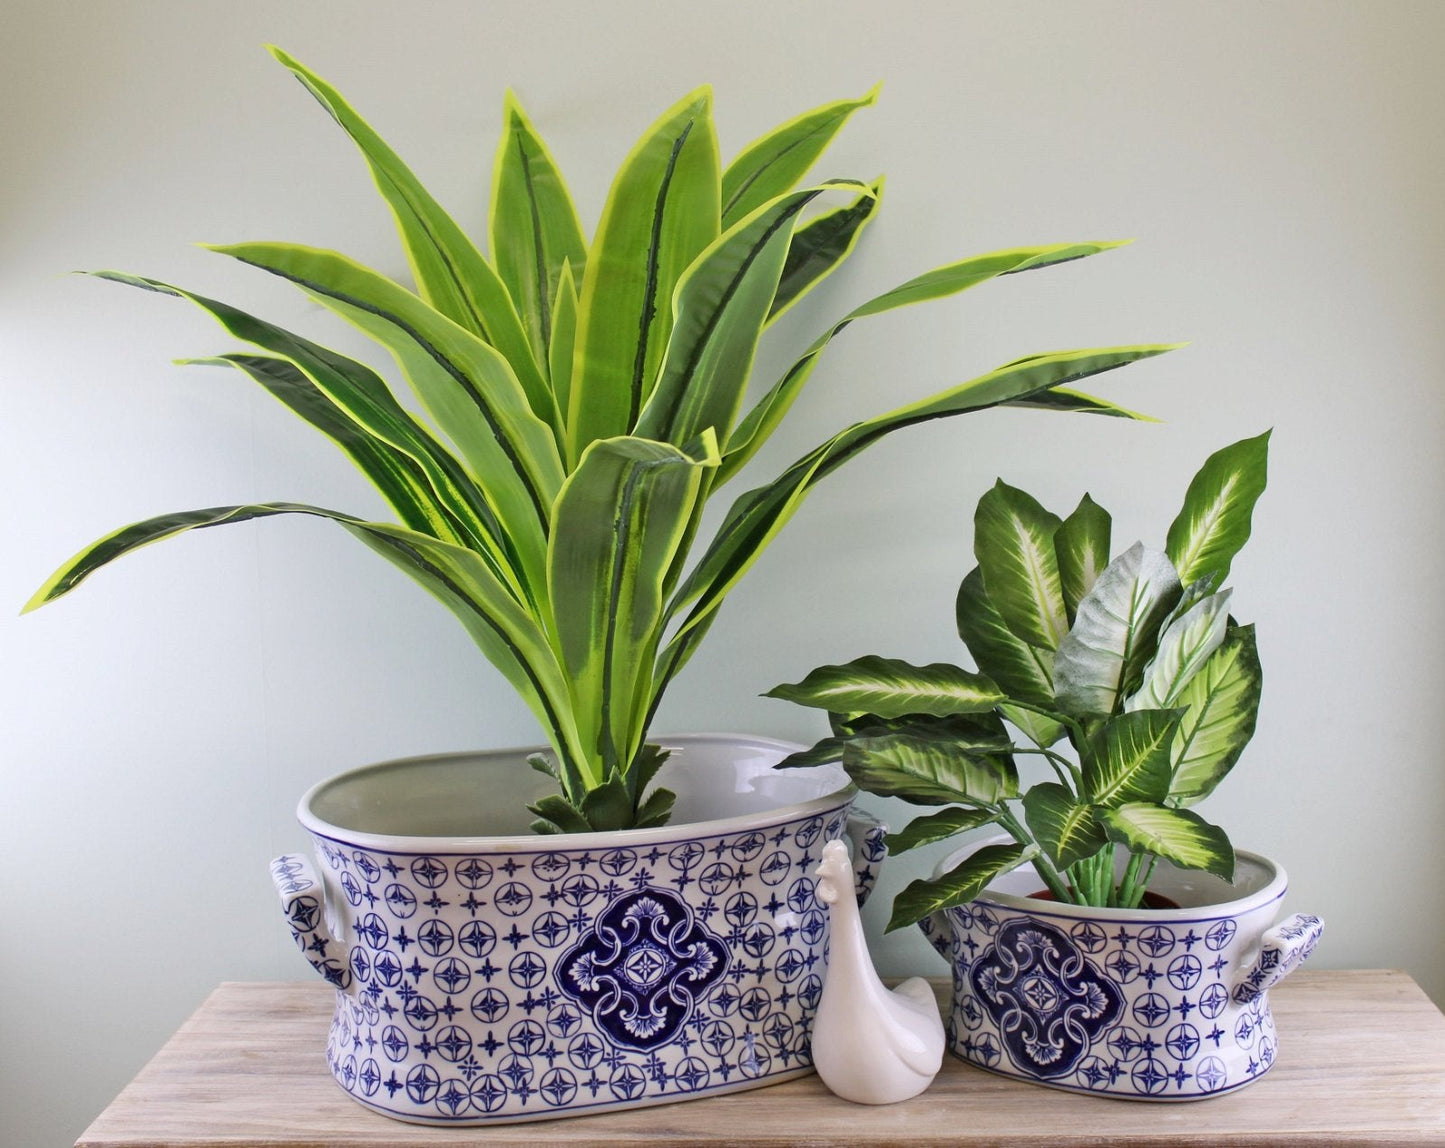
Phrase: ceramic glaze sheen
x=1144 y=1004
x=488 y=975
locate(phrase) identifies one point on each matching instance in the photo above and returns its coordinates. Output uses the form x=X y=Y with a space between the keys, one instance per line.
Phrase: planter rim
x=542 y=843
x=1272 y=890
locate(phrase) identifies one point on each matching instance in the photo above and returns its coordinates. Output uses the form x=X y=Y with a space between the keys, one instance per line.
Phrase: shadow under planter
x=485 y=974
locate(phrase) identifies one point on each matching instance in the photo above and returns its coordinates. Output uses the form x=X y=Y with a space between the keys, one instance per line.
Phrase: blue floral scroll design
x=642 y=968
x=1047 y=998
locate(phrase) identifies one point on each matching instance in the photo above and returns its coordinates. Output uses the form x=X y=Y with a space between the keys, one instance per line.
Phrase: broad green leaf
x=395 y=475
x=760 y=422
x=720 y=306
x=1128 y=758
x=661 y=213
x=830 y=749
x=1115 y=632
x=1221 y=703
x=1022 y=671
x=1067 y=830
x=450 y=273
x=1082 y=545
x=756 y=517
x=1013 y=540
x=1041 y=730
x=1177 y=835
x=533 y=225
x=891 y=688
x=820 y=247
x=619 y=521
x=929 y=769
x=465 y=384
x=938 y=826
x=564 y=337
x=361 y=395
x=773 y=164
x=1215 y=522
x=1185 y=644
x=959 y=885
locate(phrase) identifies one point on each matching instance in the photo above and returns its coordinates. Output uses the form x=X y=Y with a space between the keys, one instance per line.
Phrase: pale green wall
x=1280 y=165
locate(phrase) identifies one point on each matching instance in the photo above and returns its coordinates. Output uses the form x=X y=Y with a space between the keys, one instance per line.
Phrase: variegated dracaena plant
x=584 y=401
x=1136 y=662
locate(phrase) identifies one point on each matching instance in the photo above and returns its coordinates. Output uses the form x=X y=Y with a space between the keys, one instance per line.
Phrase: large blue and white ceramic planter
x=1145 y=1004
x=485 y=974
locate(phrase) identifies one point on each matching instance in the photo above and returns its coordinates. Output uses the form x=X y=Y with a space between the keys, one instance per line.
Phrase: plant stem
x=1131 y=891
x=1043 y=866
x=1061 y=764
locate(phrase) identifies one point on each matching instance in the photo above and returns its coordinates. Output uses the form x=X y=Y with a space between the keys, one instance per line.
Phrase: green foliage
x=583 y=400
x=1155 y=686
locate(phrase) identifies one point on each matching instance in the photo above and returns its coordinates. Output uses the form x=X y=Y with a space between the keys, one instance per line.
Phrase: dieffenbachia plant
x=1135 y=662
x=583 y=400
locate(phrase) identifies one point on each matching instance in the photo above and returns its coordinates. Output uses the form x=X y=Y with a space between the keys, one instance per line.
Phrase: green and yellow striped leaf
x=959 y=885
x=821 y=246
x=1128 y=758
x=1221 y=704
x=760 y=422
x=1082 y=546
x=396 y=476
x=1024 y=672
x=533 y=225
x=756 y=517
x=1115 y=632
x=721 y=304
x=930 y=769
x=938 y=826
x=1185 y=644
x=1013 y=540
x=662 y=212
x=450 y=272
x=1214 y=523
x=1177 y=835
x=564 y=337
x=465 y=385
x=1068 y=830
x=620 y=520
x=892 y=689
x=361 y=396
x=774 y=163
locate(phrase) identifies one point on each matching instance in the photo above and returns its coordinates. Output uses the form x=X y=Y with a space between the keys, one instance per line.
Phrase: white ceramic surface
x=1146 y=1004
x=485 y=974
x=871 y=1045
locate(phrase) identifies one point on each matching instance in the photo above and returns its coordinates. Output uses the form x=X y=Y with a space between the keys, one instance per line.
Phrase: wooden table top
x=1362 y=1061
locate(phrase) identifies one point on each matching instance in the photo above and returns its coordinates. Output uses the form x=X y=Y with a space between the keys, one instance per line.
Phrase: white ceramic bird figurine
x=871 y=1045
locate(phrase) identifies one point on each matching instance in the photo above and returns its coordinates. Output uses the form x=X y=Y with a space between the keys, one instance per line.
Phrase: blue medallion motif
x=1048 y=1000
x=642 y=967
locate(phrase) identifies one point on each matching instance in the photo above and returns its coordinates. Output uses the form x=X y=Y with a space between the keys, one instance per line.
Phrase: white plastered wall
x=1279 y=164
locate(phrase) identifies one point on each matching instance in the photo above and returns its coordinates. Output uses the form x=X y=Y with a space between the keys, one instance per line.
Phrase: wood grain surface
x=1362 y=1061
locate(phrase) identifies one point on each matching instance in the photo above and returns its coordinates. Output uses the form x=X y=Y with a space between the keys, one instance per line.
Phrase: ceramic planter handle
x=1282 y=949
x=866 y=834
x=303 y=902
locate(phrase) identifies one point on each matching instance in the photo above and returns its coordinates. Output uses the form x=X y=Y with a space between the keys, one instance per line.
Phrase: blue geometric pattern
x=1048 y=1001
x=1118 y=1005
x=491 y=987
x=643 y=966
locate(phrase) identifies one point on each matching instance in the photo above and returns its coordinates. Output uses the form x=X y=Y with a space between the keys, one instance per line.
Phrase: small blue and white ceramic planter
x=515 y=977
x=1145 y=1004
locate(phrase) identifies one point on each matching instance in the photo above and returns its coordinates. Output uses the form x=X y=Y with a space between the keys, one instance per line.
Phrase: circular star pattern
x=453 y=1013
x=1192 y=1022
